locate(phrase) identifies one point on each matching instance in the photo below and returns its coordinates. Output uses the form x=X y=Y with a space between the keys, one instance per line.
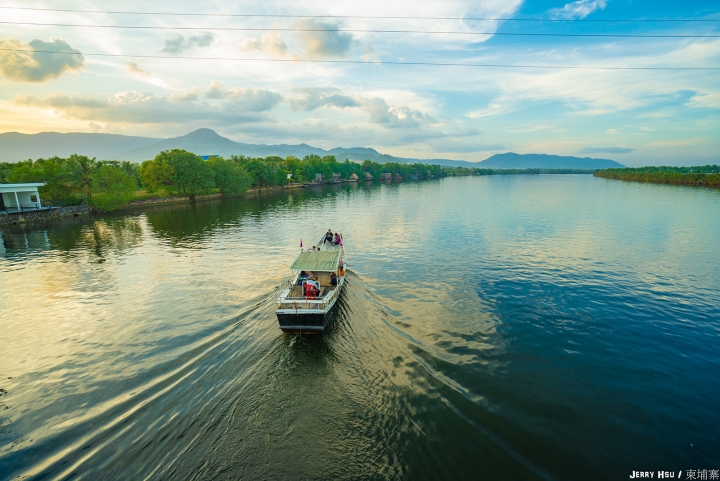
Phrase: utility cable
x=369 y=17
x=356 y=30
x=361 y=62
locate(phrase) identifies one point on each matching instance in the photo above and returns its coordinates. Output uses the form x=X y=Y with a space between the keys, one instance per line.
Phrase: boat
x=300 y=311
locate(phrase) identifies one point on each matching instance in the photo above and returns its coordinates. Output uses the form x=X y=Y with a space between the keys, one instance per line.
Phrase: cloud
x=186 y=95
x=579 y=9
x=254 y=100
x=33 y=65
x=318 y=43
x=708 y=100
x=179 y=44
x=145 y=108
x=134 y=69
x=312 y=98
x=271 y=44
x=394 y=117
x=463 y=148
x=606 y=150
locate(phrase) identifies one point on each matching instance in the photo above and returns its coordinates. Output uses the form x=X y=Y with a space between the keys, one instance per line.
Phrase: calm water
x=506 y=327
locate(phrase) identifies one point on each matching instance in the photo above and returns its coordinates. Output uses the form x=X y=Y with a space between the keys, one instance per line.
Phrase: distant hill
x=512 y=160
x=15 y=146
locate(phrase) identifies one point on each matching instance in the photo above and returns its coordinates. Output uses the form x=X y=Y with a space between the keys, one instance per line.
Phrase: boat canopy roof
x=317 y=261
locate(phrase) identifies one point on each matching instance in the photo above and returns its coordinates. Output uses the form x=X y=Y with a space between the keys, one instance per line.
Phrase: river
x=511 y=327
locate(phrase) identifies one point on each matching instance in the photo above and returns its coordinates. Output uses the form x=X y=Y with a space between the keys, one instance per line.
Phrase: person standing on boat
x=341 y=272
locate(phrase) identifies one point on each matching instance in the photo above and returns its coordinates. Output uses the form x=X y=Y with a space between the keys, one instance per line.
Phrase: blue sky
x=638 y=117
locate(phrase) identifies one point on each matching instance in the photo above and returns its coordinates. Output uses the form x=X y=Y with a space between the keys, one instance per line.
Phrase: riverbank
x=703 y=176
x=43 y=216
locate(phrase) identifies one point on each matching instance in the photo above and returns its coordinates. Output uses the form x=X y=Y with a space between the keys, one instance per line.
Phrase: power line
x=361 y=62
x=356 y=30
x=369 y=17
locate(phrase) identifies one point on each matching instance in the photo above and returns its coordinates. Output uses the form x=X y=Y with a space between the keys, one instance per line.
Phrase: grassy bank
x=708 y=175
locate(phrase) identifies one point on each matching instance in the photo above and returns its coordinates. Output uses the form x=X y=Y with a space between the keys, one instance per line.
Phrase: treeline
x=105 y=185
x=707 y=175
x=108 y=185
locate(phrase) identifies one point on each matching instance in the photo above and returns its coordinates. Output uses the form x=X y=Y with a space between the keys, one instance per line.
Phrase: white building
x=19 y=197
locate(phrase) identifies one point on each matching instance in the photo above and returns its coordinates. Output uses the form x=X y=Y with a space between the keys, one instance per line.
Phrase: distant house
x=368 y=176
x=20 y=197
x=353 y=178
x=337 y=178
x=386 y=176
x=398 y=177
x=319 y=178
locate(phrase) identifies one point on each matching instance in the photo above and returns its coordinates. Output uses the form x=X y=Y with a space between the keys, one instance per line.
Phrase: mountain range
x=15 y=146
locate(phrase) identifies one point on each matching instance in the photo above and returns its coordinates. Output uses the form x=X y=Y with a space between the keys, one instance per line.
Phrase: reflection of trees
x=174 y=222
x=183 y=222
x=74 y=236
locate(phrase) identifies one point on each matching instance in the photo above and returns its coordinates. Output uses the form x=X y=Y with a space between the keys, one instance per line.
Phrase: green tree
x=191 y=175
x=53 y=172
x=157 y=174
x=261 y=173
x=230 y=177
x=114 y=188
x=131 y=169
x=81 y=174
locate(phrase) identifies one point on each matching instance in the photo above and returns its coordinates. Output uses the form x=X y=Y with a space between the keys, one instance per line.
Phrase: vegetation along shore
x=708 y=175
x=107 y=185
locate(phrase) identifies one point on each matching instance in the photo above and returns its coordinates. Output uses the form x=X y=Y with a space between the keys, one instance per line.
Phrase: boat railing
x=307 y=302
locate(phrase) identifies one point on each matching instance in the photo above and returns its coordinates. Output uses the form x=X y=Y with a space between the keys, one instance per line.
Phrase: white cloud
x=393 y=117
x=145 y=108
x=707 y=100
x=606 y=150
x=133 y=68
x=254 y=100
x=271 y=44
x=188 y=95
x=178 y=44
x=579 y=9
x=34 y=64
x=311 y=98
x=317 y=42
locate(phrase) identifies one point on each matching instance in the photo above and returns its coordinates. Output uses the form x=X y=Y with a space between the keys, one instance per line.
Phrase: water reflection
x=512 y=328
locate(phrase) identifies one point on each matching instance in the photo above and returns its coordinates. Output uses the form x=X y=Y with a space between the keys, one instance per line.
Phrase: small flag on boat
x=301 y=243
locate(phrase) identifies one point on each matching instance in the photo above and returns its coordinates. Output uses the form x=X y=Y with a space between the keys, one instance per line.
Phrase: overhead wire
x=354 y=30
x=369 y=17
x=361 y=62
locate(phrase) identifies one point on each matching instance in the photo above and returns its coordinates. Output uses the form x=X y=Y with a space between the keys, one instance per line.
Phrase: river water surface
x=504 y=327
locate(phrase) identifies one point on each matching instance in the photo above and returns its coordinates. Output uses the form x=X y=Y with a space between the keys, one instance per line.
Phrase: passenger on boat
x=311 y=288
x=337 y=241
x=333 y=279
x=303 y=275
x=314 y=248
x=341 y=271
x=328 y=236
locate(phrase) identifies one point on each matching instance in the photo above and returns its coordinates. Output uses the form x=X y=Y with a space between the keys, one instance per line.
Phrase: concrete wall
x=43 y=215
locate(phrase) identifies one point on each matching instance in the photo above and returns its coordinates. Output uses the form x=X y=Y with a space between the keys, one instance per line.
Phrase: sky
x=329 y=81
